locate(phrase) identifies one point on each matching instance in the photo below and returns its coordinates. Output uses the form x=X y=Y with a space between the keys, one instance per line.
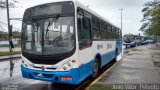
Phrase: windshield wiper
x=51 y=22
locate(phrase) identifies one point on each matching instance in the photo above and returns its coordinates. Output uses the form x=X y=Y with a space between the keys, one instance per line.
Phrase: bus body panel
x=85 y=58
x=52 y=76
x=88 y=55
x=55 y=76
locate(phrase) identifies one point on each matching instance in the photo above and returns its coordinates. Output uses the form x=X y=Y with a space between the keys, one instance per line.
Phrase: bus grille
x=44 y=61
x=47 y=59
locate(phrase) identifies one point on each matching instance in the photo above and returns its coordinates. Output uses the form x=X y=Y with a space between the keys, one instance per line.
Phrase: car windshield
x=48 y=36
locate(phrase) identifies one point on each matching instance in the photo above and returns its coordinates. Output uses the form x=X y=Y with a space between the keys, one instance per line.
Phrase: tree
x=12 y=3
x=151 y=18
x=3 y=35
x=16 y=34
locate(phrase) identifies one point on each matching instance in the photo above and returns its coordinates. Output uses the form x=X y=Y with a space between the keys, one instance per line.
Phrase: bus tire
x=95 y=69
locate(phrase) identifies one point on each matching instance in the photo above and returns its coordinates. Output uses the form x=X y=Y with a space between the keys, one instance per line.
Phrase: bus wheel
x=95 y=69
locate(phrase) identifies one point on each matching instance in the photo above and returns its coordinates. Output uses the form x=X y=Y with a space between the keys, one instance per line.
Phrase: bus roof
x=78 y=4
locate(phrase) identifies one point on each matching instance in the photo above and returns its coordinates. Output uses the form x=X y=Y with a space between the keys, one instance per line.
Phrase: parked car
x=148 y=41
x=144 y=42
x=129 y=43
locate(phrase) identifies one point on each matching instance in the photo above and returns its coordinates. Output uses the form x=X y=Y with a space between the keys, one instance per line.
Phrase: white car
x=149 y=41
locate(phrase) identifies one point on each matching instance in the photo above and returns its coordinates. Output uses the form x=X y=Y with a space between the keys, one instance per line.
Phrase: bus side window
x=84 y=31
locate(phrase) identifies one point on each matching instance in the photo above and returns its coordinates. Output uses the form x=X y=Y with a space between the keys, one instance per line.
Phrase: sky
x=109 y=9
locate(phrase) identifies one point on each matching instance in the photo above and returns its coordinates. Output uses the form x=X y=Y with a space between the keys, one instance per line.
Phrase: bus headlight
x=25 y=63
x=22 y=62
x=67 y=66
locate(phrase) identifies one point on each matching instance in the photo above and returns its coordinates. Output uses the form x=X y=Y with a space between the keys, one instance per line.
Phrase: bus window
x=103 y=30
x=95 y=28
x=84 y=31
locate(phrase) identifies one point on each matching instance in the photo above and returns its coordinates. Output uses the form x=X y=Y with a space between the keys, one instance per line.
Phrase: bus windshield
x=48 y=33
x=58 y=36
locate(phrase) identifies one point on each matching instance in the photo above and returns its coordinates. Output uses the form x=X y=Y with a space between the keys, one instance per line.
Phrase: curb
x=9 y=57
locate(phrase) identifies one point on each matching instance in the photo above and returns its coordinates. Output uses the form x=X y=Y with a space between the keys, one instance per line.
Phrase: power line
x=6 y=25
x=2 y=28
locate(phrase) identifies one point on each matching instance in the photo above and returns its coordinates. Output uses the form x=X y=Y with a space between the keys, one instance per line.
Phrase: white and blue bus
x=66 y=42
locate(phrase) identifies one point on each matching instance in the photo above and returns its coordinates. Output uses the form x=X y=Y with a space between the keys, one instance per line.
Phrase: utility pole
x=121 y=20
x=9 y=38
x=8 y=17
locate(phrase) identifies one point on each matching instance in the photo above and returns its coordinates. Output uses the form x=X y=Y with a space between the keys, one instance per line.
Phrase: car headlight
x=67 y=66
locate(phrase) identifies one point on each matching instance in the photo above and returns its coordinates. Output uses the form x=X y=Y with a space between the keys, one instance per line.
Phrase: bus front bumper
x=70 y=77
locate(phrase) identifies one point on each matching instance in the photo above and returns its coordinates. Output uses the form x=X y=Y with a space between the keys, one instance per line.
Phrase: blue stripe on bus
x=78 y=74
x=106 y=58
x=32 y=74
x=86 y=71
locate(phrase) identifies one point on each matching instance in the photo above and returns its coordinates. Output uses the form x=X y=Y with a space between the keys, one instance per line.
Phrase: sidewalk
x=137 y=67
x=6 y=49
x=9 y=57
